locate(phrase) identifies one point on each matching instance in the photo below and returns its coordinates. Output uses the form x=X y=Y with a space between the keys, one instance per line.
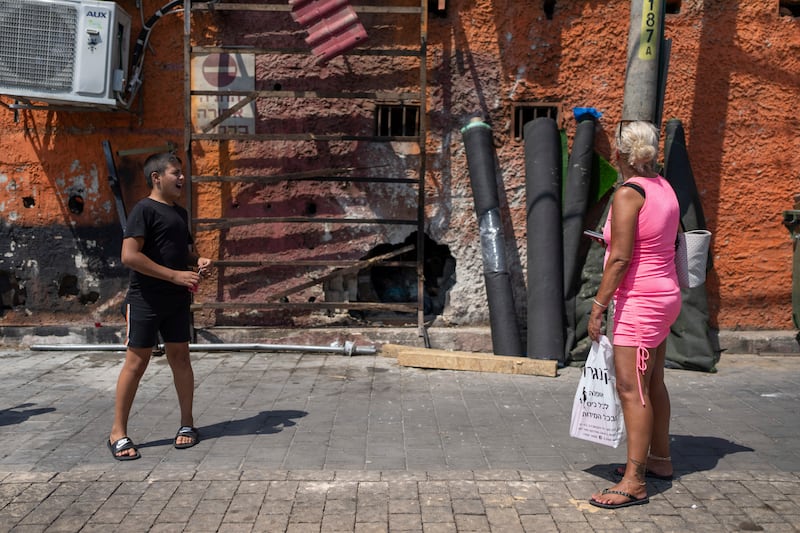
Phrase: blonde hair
x=637 y=143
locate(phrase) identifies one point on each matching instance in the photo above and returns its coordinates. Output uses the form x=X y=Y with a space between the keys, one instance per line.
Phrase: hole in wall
x=89 y=298
x=311 y=209
x=75 y=204
x=28 y=202
x=68 y=286
x=11 y=294
x=397 y=283
x=277 y=87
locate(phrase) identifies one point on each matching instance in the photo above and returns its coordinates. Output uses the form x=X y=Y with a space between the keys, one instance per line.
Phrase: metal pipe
x=645 y=43
x=349 y=348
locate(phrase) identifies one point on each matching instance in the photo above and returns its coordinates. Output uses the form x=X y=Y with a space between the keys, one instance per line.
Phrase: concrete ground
x=302 y=442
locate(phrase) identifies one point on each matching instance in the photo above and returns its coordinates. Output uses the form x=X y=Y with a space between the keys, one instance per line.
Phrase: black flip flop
x=632 y=500
x=121 y=445
x=189 y=432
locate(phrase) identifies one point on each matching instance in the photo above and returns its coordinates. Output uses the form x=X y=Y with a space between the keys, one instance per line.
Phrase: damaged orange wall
x=734 y=80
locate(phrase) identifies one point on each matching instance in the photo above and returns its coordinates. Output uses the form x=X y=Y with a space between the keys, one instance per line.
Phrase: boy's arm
x=132 y=257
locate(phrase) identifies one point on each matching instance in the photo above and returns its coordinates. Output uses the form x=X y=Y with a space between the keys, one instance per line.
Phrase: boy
x=157 y=247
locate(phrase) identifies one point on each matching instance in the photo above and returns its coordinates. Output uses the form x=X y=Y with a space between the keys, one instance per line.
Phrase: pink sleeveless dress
x=648 y=300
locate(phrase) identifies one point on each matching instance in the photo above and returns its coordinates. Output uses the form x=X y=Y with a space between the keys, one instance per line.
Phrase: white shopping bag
x=596 y=410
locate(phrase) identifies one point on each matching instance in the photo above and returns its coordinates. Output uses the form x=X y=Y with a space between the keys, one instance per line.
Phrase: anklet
x=658 y=458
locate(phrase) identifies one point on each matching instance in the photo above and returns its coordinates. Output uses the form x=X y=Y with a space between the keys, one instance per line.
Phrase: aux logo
x=97 y=14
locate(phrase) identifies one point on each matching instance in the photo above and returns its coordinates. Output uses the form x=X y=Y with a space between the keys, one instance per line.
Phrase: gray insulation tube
x=576 y=202
x=645 y=36
x=545 y=251
x=481 y=162
x=688 y=344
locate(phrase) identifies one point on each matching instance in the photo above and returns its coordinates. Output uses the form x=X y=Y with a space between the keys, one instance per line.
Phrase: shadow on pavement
x=264 y=423
x=12 y=416
x=690 y=453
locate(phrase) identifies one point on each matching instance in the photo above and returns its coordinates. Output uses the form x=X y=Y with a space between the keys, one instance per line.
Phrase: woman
x=639 y=274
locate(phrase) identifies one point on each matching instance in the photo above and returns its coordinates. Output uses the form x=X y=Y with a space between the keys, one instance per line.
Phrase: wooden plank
x=311 y=177
x=476 y=362
x=303 y=137
x=391 y=350
x=362 y=95
x=211 y=224
x=387 y=52
x=407 y=307
x=341 y=271
x=233 y=263
x=231 y=6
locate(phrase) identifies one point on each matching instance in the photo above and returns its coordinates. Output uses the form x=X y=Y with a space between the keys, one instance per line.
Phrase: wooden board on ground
x=475 y=362
x=391 y=350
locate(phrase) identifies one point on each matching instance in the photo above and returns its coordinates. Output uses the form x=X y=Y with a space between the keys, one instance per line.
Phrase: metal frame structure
x=334 y=267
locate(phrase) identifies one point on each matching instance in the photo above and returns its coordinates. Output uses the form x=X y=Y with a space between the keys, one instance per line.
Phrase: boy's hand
x=203 y=264
x=186 y=278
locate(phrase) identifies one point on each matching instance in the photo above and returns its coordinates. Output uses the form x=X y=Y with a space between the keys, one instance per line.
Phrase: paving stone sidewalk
x=304 y=442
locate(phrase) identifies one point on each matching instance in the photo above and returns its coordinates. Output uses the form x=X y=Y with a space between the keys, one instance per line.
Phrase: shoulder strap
x=636 y=187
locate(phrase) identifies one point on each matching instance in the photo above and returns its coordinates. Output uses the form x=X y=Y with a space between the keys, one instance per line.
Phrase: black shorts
x=147 y=317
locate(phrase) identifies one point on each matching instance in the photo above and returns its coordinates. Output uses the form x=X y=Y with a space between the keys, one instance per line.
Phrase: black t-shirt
x=165 y=230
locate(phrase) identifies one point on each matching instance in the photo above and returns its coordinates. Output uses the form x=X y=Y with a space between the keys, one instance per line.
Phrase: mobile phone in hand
x=595 y=236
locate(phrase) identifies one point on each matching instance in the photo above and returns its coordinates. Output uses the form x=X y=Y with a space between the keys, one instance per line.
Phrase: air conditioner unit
x=64 y=51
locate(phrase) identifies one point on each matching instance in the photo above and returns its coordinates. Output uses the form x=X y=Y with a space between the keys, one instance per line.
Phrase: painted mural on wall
x=732 y=75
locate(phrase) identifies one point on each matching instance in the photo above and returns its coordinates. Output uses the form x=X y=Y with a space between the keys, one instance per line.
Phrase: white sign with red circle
x=223 y=72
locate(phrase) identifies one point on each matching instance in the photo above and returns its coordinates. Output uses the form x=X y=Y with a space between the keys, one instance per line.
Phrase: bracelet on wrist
x=598 y=303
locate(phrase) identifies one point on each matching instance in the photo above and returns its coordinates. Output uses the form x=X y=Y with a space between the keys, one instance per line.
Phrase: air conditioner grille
x=37 y=44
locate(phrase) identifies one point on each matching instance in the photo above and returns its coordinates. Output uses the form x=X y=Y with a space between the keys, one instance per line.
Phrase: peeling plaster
x=519 y=79
x=32 y=268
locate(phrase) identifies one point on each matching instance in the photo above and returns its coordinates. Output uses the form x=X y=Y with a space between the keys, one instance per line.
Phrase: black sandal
x=188 y=432
x=121 y=445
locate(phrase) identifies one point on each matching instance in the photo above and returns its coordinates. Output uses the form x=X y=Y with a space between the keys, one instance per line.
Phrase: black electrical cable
x=137 y=60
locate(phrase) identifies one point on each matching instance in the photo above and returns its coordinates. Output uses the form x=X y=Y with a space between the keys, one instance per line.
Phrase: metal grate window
x=37 y=44
x=789 y=8
x=438 y=7
x=524 y=113
x=397 y=120
x=673 y=7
